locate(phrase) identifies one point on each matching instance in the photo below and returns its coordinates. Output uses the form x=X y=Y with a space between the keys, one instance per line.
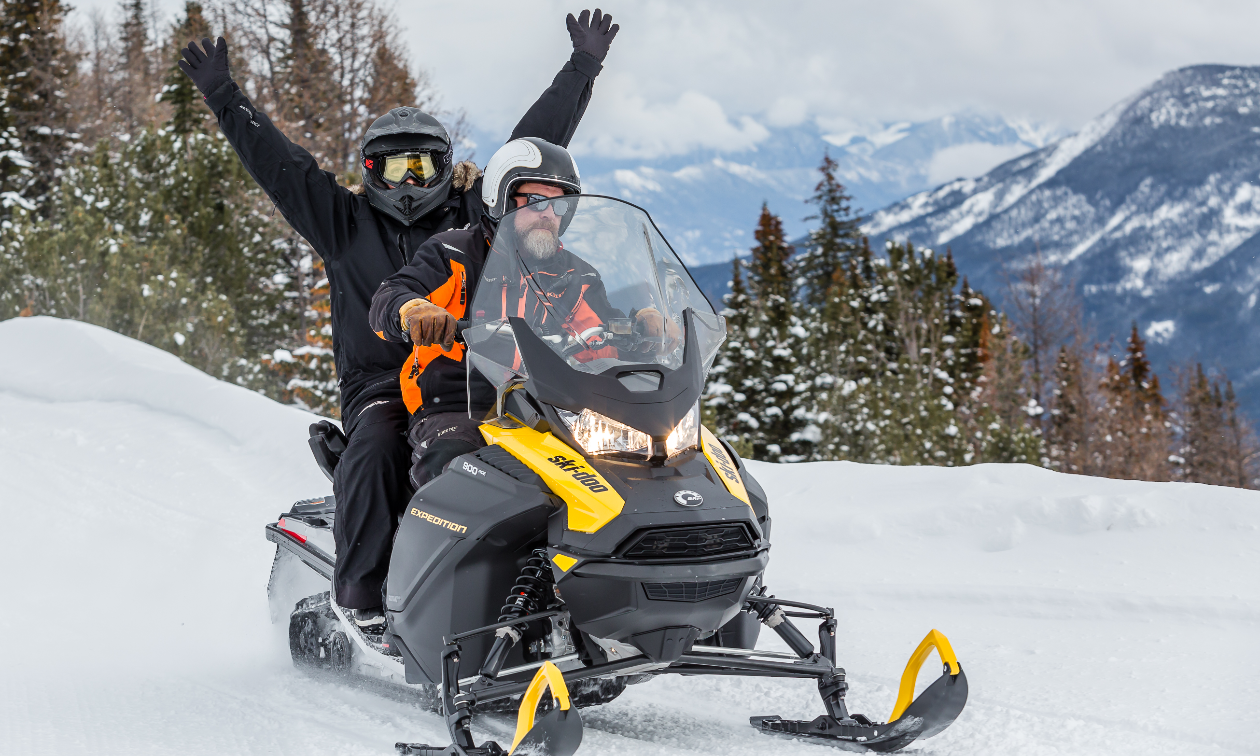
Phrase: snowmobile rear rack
x=312 y=557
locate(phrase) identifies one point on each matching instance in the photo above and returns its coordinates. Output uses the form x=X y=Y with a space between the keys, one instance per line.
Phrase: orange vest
x=453 y=297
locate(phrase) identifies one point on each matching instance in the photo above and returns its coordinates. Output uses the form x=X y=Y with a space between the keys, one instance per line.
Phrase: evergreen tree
x=824 y=274
x=36 y=69
x=174 y=253
x=133 y=70
x=1135 y=427
x=188 y=111
x=1214 y=441
x=308 y=95
x=391 y=83
x=726 y=401
x=1071 y=436
x=1242 y=448
x=756 y=396
x=833 y=244
x=918 y=375
x=1201 y=447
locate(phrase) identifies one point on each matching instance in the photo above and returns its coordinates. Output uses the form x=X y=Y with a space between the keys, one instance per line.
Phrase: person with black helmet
x=420 y=303
x=411 y=190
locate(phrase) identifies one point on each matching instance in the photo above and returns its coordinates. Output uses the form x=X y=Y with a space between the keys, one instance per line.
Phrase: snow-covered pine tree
x=188 y=111
x=725 y=403
x=1001 y=416
x=774 y=400
x=36 y=69
x=136 y=70
x=822 y=273
x=849 y=414
x=1242 y=447
x=1214 y=441
x=832 y=246
x=171 y=252
x=1200 y=425
x=1071 y=436
x=1135 y=427
x=910 y=374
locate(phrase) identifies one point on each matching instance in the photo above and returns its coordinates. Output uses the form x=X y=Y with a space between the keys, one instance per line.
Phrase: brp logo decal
x=688 y=499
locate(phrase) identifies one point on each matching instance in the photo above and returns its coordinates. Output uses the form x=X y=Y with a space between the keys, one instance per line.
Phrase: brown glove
x=657 y=325
x=428 y=324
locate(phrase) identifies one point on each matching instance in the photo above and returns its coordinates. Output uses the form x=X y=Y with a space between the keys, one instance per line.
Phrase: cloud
x=968 y=160
x=787 y=111
x=715 y=73
x=635 y=127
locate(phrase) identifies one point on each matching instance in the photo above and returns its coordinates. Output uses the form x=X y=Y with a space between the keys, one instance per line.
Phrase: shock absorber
x=774 y=618
x=526 y=597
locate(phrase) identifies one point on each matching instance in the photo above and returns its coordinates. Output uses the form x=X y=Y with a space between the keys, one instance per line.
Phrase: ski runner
x=421 y=302
x=411 y=190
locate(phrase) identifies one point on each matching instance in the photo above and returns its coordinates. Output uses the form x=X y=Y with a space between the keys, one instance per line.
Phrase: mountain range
x=1153 y=208
x=707 y=202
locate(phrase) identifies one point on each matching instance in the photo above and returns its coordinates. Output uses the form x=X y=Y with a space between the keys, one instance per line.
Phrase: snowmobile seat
x=328 y=443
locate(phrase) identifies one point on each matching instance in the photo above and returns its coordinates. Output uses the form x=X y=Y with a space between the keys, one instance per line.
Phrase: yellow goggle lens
x=420 y=165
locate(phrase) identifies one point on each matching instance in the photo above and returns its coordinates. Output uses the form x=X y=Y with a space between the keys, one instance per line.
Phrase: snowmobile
x=602 y=538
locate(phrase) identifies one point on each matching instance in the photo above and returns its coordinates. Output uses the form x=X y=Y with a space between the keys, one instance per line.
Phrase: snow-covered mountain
x=707 y=202
x=1094 y=617
x=1153 y=207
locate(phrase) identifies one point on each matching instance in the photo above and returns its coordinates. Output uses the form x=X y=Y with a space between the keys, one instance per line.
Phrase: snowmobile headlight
x=598 y=434
x=686 y=434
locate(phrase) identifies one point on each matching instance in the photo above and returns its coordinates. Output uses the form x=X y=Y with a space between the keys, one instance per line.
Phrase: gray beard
x=540 y=243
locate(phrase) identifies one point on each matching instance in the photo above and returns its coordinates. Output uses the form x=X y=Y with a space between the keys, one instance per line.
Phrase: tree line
x=837 y=352
x=122 y=205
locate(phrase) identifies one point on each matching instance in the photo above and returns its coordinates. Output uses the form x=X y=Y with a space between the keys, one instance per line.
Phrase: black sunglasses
x=539 y=203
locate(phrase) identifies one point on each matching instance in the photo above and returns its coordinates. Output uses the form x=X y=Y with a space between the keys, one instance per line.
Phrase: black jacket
x=359 y=246
x=458 y=259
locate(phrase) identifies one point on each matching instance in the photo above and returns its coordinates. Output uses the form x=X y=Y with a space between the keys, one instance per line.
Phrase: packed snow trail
x=1092 y=616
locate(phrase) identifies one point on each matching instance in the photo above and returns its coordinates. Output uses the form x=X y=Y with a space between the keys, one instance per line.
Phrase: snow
x=1092 y=616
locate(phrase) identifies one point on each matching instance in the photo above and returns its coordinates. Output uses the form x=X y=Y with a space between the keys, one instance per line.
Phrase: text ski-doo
x=603 y=537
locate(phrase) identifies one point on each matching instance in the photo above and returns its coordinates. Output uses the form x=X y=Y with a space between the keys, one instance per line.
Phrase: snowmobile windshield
x=595 y=280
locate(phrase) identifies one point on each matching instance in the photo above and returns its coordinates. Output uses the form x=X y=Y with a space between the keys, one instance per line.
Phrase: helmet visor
x=395 y=168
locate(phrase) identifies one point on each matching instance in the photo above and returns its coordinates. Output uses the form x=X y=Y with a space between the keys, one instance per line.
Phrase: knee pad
x=430 y=462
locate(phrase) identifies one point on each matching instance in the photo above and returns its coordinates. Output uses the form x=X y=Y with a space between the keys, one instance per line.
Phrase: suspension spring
x=530 y=591
x=527 y=597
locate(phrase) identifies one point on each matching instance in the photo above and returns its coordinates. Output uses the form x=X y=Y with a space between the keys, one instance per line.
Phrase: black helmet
x=521 y=161
x=398 y=133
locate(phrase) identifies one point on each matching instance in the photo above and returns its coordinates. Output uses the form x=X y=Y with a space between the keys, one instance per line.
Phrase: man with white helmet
x=534 y=184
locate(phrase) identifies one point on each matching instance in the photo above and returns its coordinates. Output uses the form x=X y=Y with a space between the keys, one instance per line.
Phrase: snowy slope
x=1092 y=616
x=1154 y=207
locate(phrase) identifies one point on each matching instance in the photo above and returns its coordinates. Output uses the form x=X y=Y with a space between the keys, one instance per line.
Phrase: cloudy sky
x=716 y=74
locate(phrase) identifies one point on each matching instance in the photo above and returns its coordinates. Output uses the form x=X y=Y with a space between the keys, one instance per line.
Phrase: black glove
x=209 y=68
x=592 y=35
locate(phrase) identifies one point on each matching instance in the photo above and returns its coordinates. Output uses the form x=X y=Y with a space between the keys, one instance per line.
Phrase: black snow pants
x=372 y=490
x=437 y=439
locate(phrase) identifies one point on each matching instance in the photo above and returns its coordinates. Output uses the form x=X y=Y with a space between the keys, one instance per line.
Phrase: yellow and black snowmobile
x=603 y=537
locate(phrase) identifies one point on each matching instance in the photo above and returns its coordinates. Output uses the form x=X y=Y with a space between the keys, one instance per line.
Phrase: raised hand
x=207 y=68
x=592 y=34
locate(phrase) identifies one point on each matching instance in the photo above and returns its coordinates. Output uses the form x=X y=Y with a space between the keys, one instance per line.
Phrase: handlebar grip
x=460 y=325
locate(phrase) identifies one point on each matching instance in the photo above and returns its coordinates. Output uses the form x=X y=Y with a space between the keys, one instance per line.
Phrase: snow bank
x=1092 y=616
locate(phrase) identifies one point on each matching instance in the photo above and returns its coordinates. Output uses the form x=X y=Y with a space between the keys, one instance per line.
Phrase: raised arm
x=310 y=199
x=557 y=113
